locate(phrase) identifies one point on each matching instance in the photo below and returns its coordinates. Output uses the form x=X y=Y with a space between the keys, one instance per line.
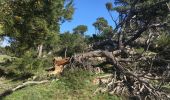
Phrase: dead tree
x=135 y=84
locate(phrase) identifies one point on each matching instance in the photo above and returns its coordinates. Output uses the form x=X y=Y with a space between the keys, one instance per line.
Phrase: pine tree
x=31 y=23
x=80 y=29
x=103 y=29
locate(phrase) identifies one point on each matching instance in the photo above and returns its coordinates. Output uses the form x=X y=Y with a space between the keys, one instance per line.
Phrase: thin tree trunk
x=120 y=34
x=65 y=53
x=40 y=49
x=120 y=41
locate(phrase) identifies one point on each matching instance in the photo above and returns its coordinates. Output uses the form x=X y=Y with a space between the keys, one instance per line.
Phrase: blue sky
x=86 y=13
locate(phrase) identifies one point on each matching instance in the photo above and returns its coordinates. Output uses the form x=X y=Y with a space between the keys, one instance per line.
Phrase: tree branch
x=136 y=35
x=9 y=91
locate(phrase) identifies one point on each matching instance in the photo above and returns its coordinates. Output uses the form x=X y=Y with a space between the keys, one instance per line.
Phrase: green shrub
x=27 y=65
x=75 y=79
x=164 y=40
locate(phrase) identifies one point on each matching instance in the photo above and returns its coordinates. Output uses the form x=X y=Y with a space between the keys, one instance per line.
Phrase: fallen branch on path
x=9 y=91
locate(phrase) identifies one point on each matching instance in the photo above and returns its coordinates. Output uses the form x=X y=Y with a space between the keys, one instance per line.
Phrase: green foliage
x=103 y=30
x=75 y=78
x=100 y=24
x=109 y=6
x=80 y=29
x=107 y=32
x=4 y=58
x=1 y=30
x=18 y=67
x=29 y=23
x=74 y=43
x=143 y=10
x=136 y=14
x=163 y=41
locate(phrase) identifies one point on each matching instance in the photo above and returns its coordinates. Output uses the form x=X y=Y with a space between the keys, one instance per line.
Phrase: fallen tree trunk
x=129 y=79
x=9 y=91
x=136 y=84
x=100 y=53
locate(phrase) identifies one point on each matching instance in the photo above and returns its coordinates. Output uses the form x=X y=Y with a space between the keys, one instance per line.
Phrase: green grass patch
x=73 y=85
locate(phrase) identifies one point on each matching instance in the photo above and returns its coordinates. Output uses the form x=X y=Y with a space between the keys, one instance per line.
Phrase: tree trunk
x=120 y=34
x=40 y=47
x=65 y=53
x=120 y=41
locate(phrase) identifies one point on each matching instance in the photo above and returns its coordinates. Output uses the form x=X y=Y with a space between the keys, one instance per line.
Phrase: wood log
x=58 y=65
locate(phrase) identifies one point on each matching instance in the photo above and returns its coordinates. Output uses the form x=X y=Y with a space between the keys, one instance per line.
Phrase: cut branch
x=9 y=91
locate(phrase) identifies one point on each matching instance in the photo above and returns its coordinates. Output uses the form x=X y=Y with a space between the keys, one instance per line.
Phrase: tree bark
x=120 y=39
x=65 y=53
x=40 y=49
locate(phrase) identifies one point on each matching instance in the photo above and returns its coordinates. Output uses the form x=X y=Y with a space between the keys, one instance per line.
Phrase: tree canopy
x=80 y=29
x=30 y=23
